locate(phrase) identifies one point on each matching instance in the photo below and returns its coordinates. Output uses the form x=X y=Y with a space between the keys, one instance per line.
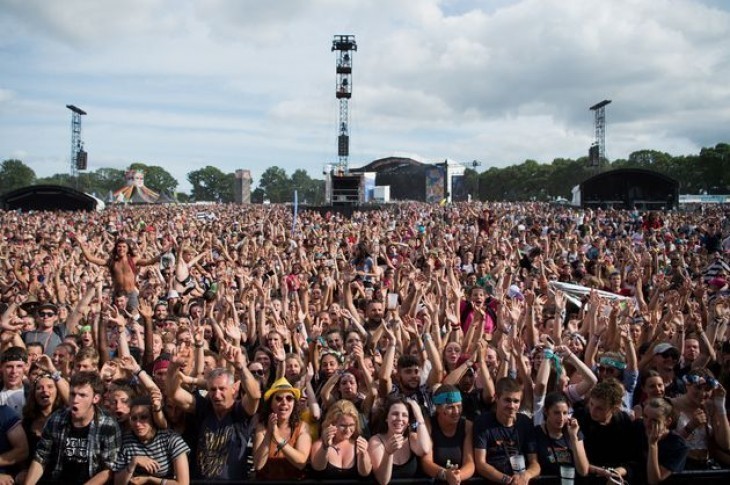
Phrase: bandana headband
x=616 y=364
x=451 y=397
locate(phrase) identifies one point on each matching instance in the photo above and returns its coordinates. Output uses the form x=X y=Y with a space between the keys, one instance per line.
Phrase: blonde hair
x=343 y=407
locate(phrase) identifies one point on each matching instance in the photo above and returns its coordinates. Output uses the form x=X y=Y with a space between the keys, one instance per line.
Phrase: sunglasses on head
x=46 y=314
x=710 y=382
x=284 y=397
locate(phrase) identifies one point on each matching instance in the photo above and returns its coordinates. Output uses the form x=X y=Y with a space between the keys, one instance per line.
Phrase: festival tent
x=135 y=192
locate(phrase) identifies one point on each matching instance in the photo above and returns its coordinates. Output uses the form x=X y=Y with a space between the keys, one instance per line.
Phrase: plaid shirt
x=105 y=441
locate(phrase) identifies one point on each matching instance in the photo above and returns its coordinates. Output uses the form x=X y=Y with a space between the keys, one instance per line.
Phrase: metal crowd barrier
x=683 y=478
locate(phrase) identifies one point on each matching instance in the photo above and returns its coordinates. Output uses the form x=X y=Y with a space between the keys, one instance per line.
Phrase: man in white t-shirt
x=13 y=365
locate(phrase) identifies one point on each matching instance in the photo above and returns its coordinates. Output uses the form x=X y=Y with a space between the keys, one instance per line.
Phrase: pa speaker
x=81 y=160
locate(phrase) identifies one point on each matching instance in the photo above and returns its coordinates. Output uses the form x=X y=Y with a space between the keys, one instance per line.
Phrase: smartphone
x=392 y=301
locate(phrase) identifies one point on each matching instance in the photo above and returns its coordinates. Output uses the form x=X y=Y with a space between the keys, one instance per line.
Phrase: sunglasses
x=258 y=373
x=46 y=314
x=708 y=383
x=285 y=397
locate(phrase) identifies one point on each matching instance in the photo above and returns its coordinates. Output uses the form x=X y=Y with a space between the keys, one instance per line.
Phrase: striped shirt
x=164 y=448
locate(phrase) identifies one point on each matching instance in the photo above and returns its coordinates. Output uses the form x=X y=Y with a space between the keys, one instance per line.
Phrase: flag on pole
x=296 y=212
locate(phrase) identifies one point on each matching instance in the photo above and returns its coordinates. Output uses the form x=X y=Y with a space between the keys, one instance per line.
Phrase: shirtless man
x=123 y=266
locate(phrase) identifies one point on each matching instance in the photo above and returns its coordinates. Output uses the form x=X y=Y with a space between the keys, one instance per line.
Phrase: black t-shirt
x=552 y=453
x=501 y=442
x=673 y=450
x=612 y=445
x=222 y=444
x=75 y=457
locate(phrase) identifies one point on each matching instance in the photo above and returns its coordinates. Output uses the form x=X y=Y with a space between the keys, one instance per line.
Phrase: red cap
x=160 y=365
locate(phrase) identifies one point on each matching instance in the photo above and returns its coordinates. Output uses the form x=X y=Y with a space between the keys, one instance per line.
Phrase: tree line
x=707 y=172
x=208 y=183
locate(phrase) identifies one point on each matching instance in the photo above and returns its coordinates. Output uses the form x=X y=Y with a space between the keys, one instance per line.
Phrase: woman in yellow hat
x=282 y=442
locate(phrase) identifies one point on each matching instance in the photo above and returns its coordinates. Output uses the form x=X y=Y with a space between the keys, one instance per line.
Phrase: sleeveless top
x=335 y=473
x=277 y=467
x=698 y=440
x=407 y=469
x=447 y=448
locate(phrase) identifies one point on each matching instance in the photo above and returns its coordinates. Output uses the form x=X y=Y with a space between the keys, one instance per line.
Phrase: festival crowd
x=160 y=345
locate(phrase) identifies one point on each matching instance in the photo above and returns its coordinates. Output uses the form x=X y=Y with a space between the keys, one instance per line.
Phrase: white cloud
x=237 y=82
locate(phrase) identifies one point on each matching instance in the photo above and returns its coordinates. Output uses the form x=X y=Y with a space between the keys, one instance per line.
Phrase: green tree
x=471 y=181
x=14 y=174
x=211 y=184
x=64 y=179
x=310 y=191
x=107 y=180
x=276 y=184
x=156 y=177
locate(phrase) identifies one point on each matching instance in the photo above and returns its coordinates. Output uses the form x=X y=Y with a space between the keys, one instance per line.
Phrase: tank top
x=407 y=469
x=335 y=473
x=698 y=439
x=447 y=448
x=277 y=466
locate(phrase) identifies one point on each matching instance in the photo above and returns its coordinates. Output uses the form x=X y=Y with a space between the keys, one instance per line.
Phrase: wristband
x=56 y=376
x=720 y=405
x=136 y=374
x=281 y=445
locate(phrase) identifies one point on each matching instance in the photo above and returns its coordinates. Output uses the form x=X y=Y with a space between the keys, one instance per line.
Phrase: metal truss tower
x=597 y=153
x=78 y=154
x=345 y=46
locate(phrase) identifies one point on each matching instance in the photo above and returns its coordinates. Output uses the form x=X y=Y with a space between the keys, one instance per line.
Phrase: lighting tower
x=597 y=152
x=78 y=155
x=345 y=46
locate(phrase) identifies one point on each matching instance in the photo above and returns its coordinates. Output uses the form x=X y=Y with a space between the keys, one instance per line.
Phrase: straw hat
x=282 y=385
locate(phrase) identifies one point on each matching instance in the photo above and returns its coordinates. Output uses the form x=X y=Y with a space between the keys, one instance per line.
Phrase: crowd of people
x=160 y=345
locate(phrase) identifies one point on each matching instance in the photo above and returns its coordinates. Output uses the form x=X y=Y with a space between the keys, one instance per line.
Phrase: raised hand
x=328 y=434
x=145 y=309
x=361 y=446
x=147 y=464
x=394 y=443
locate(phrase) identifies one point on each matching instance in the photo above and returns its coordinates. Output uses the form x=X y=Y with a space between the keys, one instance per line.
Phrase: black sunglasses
x=46 y=314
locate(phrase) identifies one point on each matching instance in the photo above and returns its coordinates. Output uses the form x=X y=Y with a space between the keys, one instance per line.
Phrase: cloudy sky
x=251 y=83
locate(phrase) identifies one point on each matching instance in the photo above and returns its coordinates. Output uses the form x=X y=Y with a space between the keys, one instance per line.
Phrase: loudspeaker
x=343 y=146
x=593 y=156
x=81 y=160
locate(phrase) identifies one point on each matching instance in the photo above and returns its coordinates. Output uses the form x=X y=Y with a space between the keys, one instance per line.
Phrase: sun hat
x=282 y=385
